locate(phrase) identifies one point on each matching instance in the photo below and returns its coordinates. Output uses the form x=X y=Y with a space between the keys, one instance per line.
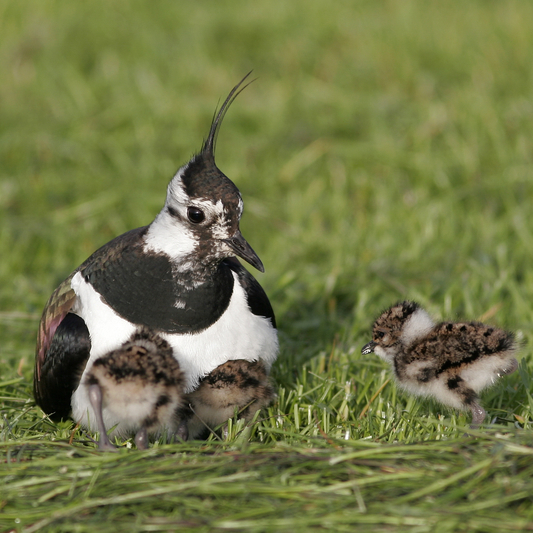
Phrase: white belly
x=237 y=334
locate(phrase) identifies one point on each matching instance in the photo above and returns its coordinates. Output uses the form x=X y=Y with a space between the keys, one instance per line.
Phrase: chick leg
x=182 y=433
x=478 y=415
x=141 y=439
x=95 y=397
x=469 y=398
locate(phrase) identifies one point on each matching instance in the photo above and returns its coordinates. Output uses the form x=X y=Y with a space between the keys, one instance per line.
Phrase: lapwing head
x=203 y=208
x=398 y=326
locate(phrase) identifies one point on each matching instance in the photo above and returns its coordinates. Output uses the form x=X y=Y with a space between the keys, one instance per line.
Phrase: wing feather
x=452 y=345
x=56 y=309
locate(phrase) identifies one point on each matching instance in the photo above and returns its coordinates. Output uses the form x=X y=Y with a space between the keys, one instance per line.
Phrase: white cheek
x=222 y=224
x=166 y=235
x=385 y=354
x=221 y=229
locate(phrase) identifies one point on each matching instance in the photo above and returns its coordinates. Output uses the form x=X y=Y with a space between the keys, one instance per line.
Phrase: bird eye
x=380 y=334
x=195 y=215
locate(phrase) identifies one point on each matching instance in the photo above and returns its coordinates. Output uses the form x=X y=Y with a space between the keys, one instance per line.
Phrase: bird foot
x=105 y=445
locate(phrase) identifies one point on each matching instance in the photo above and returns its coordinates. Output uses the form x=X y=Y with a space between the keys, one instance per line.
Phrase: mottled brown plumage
x=140 y=385
x=450 y=361
x=236 y=386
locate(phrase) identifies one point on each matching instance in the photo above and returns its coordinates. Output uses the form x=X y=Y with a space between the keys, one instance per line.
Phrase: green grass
x=384 y=153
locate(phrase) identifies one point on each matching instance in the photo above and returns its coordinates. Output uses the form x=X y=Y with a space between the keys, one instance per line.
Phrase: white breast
x=237 y=334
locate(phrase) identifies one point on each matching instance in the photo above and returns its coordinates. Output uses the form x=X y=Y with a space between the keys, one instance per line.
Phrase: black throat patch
x=145 y=289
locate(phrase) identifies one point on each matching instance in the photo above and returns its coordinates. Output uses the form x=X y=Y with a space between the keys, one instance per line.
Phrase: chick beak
x=243 y=250
x=368 y=348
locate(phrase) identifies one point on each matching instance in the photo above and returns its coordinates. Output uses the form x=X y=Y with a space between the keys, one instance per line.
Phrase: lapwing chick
x=137 y=389
x=235 y=387
x=178 y=276
x=450 y=361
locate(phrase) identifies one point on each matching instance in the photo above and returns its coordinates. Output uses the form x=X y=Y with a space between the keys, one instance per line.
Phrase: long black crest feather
x=208 y=148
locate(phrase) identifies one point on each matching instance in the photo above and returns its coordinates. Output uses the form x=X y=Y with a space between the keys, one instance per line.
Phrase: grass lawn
x=384 y=153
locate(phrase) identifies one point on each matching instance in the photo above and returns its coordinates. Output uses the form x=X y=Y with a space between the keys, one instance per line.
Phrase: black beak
x=368 y=348
x=242 y=249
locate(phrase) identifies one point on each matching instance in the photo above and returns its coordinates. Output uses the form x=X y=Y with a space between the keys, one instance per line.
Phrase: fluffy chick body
x=450 y=361
x=140 y=385
x=237 y=386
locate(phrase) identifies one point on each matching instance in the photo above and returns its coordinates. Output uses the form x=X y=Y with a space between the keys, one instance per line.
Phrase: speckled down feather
x=450 y=361
x=140 y=384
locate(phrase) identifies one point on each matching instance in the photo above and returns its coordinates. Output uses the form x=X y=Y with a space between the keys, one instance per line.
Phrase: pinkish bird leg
x=95 y=397
x=182 y=433
x=478 y=415
x=141 y=439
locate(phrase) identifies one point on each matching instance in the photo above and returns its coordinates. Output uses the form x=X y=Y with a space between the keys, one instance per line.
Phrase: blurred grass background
x=384 y=153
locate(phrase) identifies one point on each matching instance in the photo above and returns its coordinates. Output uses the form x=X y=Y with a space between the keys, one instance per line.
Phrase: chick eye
x=380 y=334
x=195 y=215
